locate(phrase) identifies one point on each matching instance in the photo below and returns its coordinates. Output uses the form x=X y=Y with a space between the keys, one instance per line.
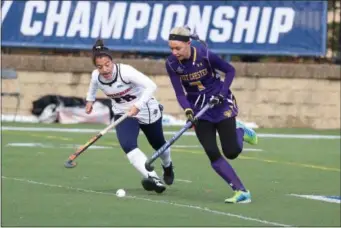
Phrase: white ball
x=120 y=193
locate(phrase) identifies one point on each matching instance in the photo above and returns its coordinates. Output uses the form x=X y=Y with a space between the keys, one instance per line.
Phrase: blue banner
x=228 y=27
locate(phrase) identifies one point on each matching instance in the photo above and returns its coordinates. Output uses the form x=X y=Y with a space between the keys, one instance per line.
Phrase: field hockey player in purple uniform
x=193 y=69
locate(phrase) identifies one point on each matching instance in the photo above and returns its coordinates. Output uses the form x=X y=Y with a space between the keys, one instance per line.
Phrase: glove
x=190 y=115
x=216 y=100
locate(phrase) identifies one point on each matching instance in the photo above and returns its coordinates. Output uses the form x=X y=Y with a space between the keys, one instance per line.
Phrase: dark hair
x=99 y=50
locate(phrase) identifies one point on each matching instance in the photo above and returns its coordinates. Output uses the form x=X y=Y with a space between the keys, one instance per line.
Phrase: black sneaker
x=168 y=174
x=153 y=184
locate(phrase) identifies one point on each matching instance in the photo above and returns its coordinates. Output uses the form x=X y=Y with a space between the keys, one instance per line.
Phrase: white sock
x=137 y=158
x=166 y=158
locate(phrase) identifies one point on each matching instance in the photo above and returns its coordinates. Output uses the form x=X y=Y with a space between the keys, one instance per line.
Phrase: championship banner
x=229 y=27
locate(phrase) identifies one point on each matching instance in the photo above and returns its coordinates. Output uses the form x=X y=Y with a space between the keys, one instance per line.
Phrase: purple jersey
x=198 y=77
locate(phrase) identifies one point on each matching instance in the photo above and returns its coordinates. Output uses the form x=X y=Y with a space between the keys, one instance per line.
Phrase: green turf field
x=38 y=191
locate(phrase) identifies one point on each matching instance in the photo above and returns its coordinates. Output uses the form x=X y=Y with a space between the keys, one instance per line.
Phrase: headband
x=178 y=37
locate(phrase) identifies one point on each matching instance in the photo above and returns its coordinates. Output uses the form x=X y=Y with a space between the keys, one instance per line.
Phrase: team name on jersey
x=120 y=94
x=194 y=76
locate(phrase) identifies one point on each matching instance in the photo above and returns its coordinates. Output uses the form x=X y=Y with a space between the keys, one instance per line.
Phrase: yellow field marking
x=292 y=163
x=38 y=135
x=302 y=165
x=187 y=151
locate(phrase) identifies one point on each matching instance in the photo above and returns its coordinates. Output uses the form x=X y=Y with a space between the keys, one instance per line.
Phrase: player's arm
x=180 y=94
x=177 y=86
x=91 y=95
x=134 y=76
x=220 y=64
x=93 y=87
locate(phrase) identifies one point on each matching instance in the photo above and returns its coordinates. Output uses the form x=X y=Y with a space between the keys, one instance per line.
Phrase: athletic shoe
x=153 y=184
x=250 y=136
x=240 y=197
x=168 y=174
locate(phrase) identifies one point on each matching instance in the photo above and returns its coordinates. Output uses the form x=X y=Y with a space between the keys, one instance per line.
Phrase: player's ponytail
x=194 y=36
x=98 y=46
x=99 y=50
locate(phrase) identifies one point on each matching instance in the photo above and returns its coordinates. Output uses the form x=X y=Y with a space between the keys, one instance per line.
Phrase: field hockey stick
x=159 y=152
x=70 y=162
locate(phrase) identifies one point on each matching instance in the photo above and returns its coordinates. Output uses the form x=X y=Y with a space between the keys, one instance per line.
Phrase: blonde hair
x=183 y=31
x=186 y=31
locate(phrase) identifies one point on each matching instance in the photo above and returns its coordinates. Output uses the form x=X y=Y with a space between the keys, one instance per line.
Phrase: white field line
x=78 y=130
x=319 y=198
x=182 y=180
x=47 y=145
x=71 y=146
x=205 y=209
x=42 y=145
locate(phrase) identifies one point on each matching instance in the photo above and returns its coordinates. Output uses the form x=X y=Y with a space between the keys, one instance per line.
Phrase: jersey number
x=125 y=98
x=199 y=84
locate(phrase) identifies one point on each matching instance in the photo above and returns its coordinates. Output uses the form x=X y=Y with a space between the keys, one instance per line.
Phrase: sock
x=137 y=158
x=240 y=137
x=166 y=158
x=225 y=170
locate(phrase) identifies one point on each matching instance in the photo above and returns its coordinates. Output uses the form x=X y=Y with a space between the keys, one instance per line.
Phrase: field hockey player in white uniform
x=131 y=92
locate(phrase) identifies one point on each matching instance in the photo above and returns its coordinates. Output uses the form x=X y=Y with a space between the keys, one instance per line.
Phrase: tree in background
x=334 y=36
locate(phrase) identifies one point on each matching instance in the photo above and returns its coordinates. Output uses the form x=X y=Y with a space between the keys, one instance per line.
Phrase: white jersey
x=127 y=88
